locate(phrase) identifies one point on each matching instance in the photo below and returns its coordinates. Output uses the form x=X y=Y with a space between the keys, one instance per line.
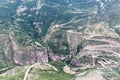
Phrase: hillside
x=63 y=39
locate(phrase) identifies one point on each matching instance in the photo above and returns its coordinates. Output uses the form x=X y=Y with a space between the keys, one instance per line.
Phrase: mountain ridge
x=83 y=34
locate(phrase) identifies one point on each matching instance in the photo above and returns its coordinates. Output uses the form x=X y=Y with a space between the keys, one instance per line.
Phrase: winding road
x=30 y=67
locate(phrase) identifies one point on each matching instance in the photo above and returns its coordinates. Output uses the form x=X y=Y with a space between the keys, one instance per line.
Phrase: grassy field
x=38 y=72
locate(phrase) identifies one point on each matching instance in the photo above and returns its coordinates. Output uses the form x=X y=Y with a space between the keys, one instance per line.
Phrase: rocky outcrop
x=29 y=56
x=74 y=39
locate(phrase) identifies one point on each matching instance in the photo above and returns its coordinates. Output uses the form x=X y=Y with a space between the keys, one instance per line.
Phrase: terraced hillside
x=63 y=39
x=100 y=51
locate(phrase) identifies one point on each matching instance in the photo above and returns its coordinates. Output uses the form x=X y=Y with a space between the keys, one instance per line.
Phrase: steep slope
x=83 y=34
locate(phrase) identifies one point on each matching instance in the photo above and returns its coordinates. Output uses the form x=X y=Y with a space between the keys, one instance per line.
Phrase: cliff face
x=11 y=53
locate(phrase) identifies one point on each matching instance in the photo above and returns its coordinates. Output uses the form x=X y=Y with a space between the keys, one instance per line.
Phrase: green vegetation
x=111 y=74
x=37 y=73
x=21 y=38
x=31 y=26
x=16 y=73
x=15 y=77
x=86 y=59
x=56 y=48
x=4 y=61
x=51 y=75
x=86 y=69
x=58 y=43
x=58 y=64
